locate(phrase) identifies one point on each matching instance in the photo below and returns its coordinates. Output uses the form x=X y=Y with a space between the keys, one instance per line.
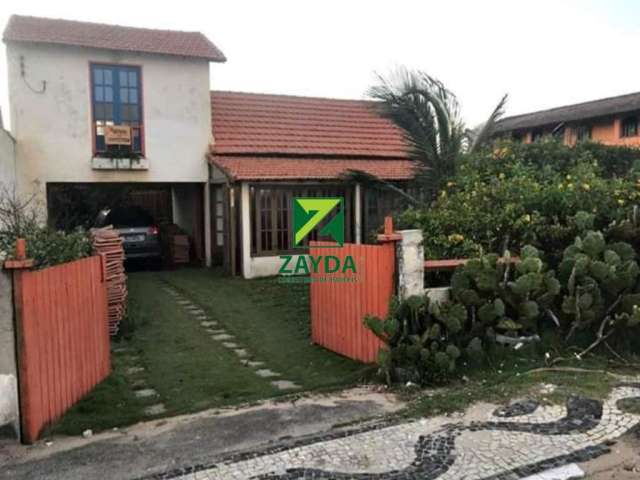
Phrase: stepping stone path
x=145 y=393
x=285 y=385
x=221 y=335
x=156 y=409
x=139 y=385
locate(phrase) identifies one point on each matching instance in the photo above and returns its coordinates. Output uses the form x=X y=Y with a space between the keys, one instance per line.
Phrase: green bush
x=516 y=194
x=47 y=247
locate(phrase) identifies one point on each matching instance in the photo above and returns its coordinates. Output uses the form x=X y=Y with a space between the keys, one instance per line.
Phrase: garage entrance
x=177 y=210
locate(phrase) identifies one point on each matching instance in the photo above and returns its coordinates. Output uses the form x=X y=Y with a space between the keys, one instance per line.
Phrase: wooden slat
x=338 y=309
x=63 y=339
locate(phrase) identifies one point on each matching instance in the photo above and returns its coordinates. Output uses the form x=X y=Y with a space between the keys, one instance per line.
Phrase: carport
x=72 y=205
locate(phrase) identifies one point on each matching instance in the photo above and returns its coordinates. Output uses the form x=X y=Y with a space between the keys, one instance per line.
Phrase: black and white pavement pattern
x=512 y=442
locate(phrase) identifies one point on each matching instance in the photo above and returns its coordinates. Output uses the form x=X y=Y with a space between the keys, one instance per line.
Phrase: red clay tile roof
x=286 y=168
x=282 y=124
x=111 y=37
x=281 y=137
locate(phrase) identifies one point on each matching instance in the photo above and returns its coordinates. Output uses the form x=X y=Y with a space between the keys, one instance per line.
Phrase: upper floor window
x=117 y=100
x=629 y=127
x=583 y=132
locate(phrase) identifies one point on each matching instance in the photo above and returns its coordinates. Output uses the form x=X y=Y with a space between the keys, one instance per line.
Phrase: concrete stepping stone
x=209 y=324
x=134 y=370
x=223 y=336
x=285 y=385
x=209 y=331
x=156 y=409
x=196 y=313
x=219 y=331
x=266 y=373
x=253 y=363
x=145 y=393
x=121 y=350
x=229 y=344
x=139 y=384
x=241 y=352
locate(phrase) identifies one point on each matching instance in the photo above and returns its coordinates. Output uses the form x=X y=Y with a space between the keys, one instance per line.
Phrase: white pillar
x=410 y=255
x=357 y=213
x=207 y=224
x=245 y=216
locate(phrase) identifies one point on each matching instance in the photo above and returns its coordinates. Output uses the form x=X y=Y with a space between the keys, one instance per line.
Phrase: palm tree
x=429 y=116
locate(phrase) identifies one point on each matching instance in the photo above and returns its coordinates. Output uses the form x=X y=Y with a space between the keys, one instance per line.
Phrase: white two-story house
x=69 y=80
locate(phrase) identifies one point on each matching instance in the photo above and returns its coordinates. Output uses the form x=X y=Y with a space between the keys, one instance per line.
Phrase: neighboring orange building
x=611 y=121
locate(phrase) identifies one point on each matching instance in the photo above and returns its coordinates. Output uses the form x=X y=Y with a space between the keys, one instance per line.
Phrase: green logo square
x=308 y=213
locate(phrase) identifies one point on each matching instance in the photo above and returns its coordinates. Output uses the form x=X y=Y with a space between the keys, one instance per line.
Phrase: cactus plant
x=425 y=340
x=599 y=281
x=499 y=296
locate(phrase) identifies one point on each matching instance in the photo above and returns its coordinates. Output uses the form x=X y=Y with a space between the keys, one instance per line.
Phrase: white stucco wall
x=9 y=411
x=53 y=129
x=7 y=160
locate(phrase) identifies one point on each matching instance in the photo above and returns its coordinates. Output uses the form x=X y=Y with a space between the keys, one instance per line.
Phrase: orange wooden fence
x=63 y=339
x=338 y=306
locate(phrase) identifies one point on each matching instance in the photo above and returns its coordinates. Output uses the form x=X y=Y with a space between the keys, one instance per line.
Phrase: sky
x=542 y=53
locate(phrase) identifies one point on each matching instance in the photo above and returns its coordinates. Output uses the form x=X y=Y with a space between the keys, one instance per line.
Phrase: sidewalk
x=165 y=445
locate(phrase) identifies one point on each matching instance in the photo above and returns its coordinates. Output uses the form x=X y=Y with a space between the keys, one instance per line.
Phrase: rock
x=87 y=433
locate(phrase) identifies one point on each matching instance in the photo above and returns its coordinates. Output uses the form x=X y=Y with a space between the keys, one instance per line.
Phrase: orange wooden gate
x=340 y=301
x=63 y=339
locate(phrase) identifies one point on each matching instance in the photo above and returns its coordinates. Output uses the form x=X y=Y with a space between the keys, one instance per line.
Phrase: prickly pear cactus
x=599 y=279
x=504 y=298
x=425 y=340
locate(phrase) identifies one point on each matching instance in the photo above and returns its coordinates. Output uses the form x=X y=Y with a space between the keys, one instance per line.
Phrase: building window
x=117 y=100
x=537 y=135
x=583 y=132
x=271 y=216
x=630 y=127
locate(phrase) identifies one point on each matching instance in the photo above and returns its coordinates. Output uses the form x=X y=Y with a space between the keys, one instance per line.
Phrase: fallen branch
x=567 y=370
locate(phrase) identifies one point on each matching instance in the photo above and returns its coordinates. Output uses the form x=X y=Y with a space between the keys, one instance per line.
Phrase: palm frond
x=482 y=134
x=371 y=181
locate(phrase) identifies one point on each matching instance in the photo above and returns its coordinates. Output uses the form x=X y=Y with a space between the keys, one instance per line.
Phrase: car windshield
x=129 y=217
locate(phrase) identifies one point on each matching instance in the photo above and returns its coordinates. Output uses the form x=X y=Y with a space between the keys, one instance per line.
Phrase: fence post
x=410 y=257
x=19 y=265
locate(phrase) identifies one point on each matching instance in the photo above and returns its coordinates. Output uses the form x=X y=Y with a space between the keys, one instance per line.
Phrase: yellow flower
x=450 y=184
x=621 y=202
x=501 y=176
x=570 y=186
x=586 y=187
x=526 y=218
x=560 y=186
x=568 y=177
x=455 y=238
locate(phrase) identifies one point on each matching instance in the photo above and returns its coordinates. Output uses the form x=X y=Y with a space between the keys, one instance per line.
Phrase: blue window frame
x=117 y=100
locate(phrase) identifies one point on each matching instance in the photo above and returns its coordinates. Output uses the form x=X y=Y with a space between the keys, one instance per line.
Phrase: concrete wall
x=53 y=129
x=9 y=411
x=7 y=160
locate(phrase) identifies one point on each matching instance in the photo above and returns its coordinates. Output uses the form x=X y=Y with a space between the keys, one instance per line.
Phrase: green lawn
x=192 y=372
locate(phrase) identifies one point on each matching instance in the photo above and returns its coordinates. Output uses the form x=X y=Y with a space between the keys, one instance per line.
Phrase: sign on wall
x=117 y=135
